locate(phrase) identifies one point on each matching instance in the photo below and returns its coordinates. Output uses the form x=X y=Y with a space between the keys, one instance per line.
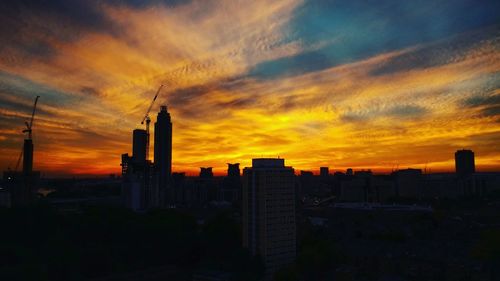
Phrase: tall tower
x=233 y=170
x=324 y=172
x=163 y=153
x=139 y=142
x=269 y=212
x=28 y=157
x=464 y=162
x=136 y=174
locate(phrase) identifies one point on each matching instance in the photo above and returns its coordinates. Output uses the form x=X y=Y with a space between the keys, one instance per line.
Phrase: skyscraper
x=464 y=162
x=139 y=141
x=231 y=184
x=27 y=157
x=324 y=172
x=233 y=170
x=206 y=173
x=163 y=155
x=269 y=228
x=136 y=174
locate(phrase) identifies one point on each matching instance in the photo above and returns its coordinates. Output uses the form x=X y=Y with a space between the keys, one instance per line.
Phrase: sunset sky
x=360 y=84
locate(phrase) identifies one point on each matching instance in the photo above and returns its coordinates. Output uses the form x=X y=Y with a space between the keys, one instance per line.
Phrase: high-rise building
x=230 y=190
x=349 y=172
x=464 y=162
x=206 y=173
x=137 y=174
x=28 y=157
x=408 y=183
x=21 y=185
x=163 y=155
x=233 y=170
x=324 y=172
x=269 y=228
x=139 y=142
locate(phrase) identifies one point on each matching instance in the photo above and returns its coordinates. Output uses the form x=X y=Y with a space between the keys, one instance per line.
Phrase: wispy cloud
x=317 y=82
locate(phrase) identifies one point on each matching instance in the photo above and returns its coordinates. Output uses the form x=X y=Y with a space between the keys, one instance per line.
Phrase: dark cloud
x=196 y=101
x=237 y=103
x=185 y=96
x=21 y=87
x=491 y=111
x=14 y=106
x=352 y=117
x=440 y=53
x=398 y=111
x=487 y=100
x=193 y=102
x=28 y=28
x=291 y=66
x=488 y=105
x=405 y=111
x=361 y=29
x=90 y=91
x=145 y=3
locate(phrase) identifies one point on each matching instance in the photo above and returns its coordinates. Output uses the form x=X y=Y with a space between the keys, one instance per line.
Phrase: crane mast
x=147 y=119
x=30 y=124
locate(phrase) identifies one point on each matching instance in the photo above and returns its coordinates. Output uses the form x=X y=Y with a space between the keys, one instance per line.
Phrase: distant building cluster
x=147 y=184
x=414 y=184
x=266 y=192
x=150 y=184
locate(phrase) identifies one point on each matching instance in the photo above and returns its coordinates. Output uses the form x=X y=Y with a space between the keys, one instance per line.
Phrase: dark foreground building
x=269 y=228
x=464 y=162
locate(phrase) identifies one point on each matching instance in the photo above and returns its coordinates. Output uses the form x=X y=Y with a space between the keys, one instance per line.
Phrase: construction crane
x=148 y=120
x=30 y=124
x=19 y=160
x=17 y=163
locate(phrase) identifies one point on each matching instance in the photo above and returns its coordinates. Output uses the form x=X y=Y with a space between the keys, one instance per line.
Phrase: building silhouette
x=139 y=142
x=231 y=185
x=464 y=162
x=349 y=172
x=269 y=228
x=408 y=183
x=206 y=173
x=163 y=157
x=146 y=184
x=137 y=174
x=22 y=186
x=233 y=170
x=324 y=172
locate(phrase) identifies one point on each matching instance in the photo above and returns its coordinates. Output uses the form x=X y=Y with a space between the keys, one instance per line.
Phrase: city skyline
x=266 y=80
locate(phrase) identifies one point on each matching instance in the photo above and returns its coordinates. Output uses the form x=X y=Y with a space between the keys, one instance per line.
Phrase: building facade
x=268 y=203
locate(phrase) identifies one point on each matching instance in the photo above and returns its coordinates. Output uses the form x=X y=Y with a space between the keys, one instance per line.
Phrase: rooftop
x=268 y=163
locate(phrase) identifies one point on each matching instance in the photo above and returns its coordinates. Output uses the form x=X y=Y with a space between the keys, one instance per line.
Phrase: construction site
x=21 y=186
x=144 y=182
